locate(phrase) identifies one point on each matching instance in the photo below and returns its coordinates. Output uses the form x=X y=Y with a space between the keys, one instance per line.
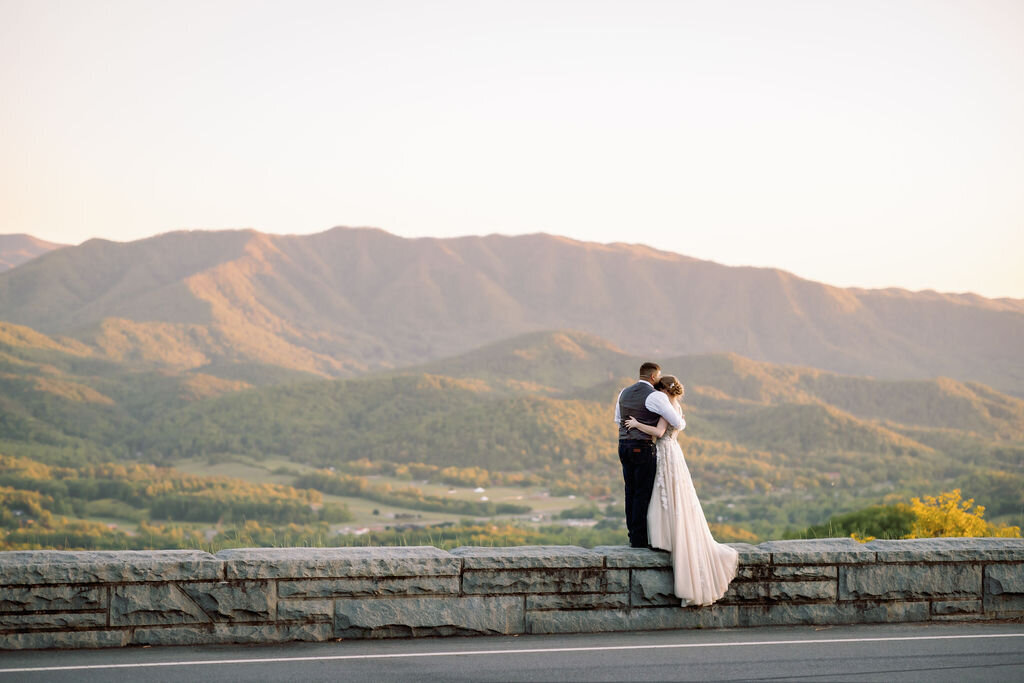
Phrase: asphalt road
x=933 y=653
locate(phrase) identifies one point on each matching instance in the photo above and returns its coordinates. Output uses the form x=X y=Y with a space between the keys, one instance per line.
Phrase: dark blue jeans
x=639 y=466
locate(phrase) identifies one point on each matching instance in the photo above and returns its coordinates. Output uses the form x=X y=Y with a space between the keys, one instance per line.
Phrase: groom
x=636 y=449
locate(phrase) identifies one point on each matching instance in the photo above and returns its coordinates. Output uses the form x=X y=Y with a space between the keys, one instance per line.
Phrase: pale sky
x=856 y=143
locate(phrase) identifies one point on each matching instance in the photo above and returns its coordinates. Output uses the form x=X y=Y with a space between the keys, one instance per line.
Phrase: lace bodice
x=670 y=432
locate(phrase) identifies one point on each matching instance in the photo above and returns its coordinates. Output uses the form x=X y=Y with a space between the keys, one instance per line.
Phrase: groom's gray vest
x=632 y=404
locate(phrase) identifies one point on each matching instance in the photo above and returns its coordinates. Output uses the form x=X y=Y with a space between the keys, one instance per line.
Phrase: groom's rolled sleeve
x=618 y=415
x=658 y=403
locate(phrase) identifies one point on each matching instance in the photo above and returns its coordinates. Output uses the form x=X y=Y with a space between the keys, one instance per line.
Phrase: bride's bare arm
x=655 y=431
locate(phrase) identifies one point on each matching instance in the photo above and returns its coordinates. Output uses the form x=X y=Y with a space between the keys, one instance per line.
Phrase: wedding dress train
x=701 y=566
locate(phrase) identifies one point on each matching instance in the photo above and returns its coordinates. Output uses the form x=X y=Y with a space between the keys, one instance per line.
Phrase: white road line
x=467 y=653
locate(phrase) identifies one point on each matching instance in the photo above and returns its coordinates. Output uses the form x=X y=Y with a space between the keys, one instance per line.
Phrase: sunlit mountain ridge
x=350 y=301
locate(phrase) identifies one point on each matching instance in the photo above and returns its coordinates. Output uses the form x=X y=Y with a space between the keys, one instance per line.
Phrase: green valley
x=773 y=449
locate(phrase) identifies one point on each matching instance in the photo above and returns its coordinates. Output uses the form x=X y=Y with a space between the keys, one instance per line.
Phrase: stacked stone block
x=52 y=599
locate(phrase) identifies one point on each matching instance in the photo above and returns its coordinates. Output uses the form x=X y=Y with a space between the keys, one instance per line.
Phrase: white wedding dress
x=702 y=567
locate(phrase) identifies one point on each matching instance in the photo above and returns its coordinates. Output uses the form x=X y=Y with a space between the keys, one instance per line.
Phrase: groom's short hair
x=648 y=369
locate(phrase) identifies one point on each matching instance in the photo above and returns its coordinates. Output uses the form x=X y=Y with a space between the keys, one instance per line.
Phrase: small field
x=375 y=515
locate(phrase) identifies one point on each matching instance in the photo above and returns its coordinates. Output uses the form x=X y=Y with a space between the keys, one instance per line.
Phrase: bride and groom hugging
x=662 y=509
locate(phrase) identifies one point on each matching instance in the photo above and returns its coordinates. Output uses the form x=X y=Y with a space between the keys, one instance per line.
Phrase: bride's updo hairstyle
x=670 y=384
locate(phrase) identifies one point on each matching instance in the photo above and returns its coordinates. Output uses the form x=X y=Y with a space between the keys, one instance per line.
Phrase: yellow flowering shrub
x=948 y=515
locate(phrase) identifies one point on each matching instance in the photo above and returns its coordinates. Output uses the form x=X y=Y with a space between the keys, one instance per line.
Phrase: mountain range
x=350 y=301
x=355 y=347
x=17 y=249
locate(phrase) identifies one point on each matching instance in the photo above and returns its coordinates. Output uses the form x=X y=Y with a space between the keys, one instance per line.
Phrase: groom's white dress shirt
x=657 y=402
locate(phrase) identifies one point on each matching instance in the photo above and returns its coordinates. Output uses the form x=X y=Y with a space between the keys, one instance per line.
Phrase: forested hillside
x=771 y=447
x=345 y=364
x=47 y=506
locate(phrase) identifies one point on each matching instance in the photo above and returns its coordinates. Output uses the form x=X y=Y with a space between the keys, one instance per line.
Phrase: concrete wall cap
x=622 y=556
x=947 y=549
x=40 y=567
x=528 y=557
x=818 y=551
x=751 y=554
x=305 y=563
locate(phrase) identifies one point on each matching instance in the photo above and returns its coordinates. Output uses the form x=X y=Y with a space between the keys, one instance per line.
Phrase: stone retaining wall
x=57 y=599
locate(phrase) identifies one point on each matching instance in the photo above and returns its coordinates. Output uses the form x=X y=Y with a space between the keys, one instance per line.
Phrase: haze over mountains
x=17 y=249
x=350 y=301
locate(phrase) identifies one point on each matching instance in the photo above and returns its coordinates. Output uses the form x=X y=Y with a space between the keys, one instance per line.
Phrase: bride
x=702 y=567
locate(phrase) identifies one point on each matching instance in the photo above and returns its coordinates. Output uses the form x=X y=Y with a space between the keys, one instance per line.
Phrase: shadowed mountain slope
x=549 y=362
x=62 y=400
x=472 y=407
x=19 y=248
x=581 y=365
x=348 y=301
